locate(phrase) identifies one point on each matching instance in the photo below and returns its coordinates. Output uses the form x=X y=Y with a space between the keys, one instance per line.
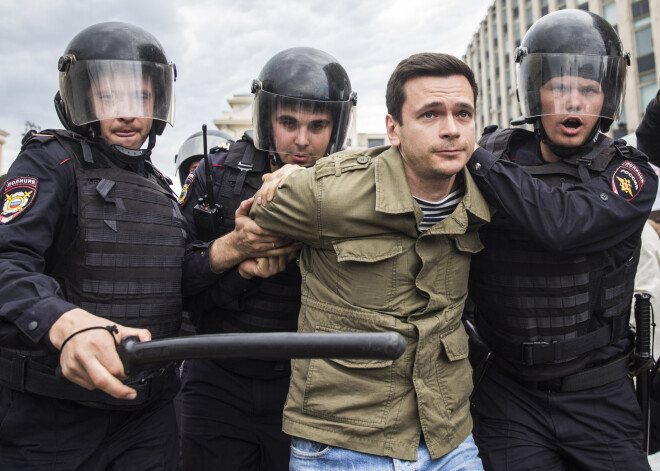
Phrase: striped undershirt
x=434 y=212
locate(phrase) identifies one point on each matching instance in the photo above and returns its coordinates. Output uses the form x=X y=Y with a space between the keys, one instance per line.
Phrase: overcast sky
x=219 y=46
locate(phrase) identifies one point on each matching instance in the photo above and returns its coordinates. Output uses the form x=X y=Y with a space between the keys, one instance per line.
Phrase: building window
x=646 y=94
x=561 y=5
x=584 y=6
x=640 y=9
x=544 y=7
x=609 y=12
x=641 y=14
x=644 y=50
x=375 y=142
x=529 y=15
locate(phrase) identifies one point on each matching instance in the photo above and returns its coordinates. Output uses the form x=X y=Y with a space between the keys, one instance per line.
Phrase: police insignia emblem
x=18 y=195
x=628 y=180
x=185 y=190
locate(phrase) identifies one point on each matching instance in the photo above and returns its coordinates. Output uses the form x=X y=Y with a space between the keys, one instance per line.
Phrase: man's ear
x=393 y=129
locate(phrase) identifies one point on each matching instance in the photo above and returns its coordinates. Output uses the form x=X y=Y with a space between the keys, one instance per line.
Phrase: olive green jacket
x=367 y=268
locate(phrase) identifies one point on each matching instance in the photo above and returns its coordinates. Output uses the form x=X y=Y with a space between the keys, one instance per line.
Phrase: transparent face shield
x=297 y=126
x=568 y=84
x=106 y=89
x=194 y=147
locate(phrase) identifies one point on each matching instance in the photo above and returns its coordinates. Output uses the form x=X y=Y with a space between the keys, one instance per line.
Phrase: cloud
x=219 y=46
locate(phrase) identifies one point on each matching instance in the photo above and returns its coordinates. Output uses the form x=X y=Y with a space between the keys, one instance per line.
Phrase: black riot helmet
x=562 y=49
x=301 y=80
x=192 y=149
x=114 y=70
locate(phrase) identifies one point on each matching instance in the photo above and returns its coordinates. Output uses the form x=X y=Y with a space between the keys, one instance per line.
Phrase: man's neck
x=435 y=189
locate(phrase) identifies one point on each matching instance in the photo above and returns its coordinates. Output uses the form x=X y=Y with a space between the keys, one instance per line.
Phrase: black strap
x=23 y=374
x=245 y=165
x=112 y=329
x=585 y=379
x=538 y=353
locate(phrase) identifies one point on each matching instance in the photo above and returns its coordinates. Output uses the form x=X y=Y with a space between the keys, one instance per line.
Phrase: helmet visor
x=95 y=90
x=300 y=127
x=569 y=84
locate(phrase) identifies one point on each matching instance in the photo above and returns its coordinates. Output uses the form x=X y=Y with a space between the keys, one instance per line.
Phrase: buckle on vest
x=587 y=162
x=534 y=353
x=244 y=167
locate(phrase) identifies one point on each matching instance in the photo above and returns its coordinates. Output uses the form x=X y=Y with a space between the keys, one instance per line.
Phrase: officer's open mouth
x=572 y=123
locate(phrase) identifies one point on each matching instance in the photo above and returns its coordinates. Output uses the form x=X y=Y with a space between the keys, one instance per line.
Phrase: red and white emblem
x=186 y=189
x=17 y=196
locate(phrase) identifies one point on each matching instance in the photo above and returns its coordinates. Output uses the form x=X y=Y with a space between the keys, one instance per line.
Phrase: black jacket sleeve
x=648 y=132
x=32 y=241
x=581 y=218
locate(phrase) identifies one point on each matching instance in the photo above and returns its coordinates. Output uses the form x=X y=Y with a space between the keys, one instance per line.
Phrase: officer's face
x=301 y=136
x=571 y=106
x=119 y=104
x=436 y=135
x=193 y=166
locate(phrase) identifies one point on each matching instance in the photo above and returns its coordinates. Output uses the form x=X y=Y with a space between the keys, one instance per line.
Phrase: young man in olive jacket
x=389 y=233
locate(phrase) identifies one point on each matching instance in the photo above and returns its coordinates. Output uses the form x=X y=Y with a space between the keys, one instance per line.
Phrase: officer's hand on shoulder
x=88 y=351
x=273 y=181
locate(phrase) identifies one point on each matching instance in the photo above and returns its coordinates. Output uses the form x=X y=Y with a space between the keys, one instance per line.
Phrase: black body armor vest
x=273 y=306
x=545 y=313
x=125 y=263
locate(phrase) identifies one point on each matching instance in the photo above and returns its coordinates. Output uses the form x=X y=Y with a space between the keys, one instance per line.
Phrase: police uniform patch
x=628 y=180
x=186 y=189
x=18 y=195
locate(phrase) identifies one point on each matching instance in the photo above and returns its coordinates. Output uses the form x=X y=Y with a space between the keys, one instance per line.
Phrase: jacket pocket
x=358 y=392
x=453 y=371
x=366 y=271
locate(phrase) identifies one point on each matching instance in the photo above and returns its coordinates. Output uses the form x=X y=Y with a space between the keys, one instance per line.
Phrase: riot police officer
x=91 y=251
x=192 y=151
x=553 y=286
x=232 y=409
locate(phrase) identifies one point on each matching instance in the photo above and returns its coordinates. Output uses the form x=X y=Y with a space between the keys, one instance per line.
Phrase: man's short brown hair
x=425 y=64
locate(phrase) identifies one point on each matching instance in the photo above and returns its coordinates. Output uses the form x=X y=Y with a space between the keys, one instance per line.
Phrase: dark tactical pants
x=521 y=428
x=231 y=421
x=42 y=433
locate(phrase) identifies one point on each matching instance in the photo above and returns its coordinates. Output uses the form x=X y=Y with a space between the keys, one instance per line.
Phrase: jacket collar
x=393 y=196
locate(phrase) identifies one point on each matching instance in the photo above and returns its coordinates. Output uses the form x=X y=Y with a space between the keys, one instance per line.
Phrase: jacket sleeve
x=648 y=132
x=32 y=241
x=295 y=209
x=578 y=219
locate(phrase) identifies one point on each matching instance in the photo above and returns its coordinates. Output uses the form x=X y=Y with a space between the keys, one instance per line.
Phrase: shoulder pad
x=626 y=151
x=488 y=129
x=343 y=162
x=248 y=136
x=33 y=136
x=223 y=146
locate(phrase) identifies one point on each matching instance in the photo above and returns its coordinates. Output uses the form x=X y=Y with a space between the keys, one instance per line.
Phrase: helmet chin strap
x=130 y=156
x=275 y=159
x=561 y=151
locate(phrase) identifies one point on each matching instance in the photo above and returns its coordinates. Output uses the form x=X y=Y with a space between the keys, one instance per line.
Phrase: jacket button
x=362 y=159
x=604 y=197
x=477 y=166
x=33 y=325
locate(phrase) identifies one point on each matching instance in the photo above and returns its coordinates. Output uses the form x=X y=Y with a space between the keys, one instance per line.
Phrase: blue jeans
x=307 y=455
